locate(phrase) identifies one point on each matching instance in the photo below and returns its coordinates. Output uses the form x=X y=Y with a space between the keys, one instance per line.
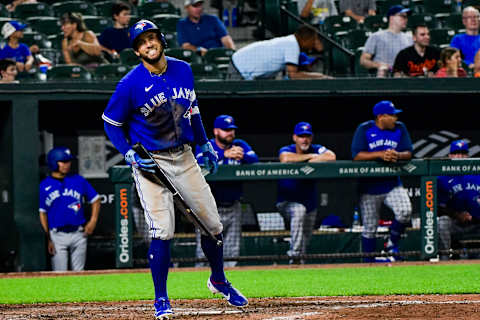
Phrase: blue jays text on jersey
x=460 y=193
x=368 y=137
x=156 y=108
x=62 y=200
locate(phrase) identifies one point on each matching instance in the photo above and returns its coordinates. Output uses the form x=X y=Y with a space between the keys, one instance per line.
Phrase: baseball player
x=458 y=202
x=155 y=104
x=230 y=151
x=384 y=139
x=298 y=199
x=61 y=210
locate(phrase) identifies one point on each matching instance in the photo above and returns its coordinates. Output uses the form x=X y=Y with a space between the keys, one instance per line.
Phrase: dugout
x=36 y=114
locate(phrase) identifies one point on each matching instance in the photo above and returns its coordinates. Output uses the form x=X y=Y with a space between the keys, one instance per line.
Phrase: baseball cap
x=10 y=27
x=459 y=146
x=224 y=122
x=303 y=128
x=385 y=107
x=396 y=10
x=192 y=2
x=305 y=60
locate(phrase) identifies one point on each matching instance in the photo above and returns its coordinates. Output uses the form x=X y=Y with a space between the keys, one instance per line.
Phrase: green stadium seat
x=219 y=57
x=335 y=24
x=68 y=72
x=53 y=55
x=27 y=10
x=441 y=37
x=166 y=22
x=375 y=23
x=440 y=8
x=97 y=24
x=104 y=8
x=340 y=63
x=128 y=57
x=85 y=8
x=206 y=71
x=45 y=25
x=454 y=21
x=171 y=39
x=111 y=71
x=149 y=9
x=184 y=54
x=354 y=39
x=56 y=40
x=428 y=19
x=3 y=11
x=41 y=40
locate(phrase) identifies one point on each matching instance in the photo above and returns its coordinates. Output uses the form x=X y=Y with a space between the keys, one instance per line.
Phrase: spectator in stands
x=8 y=71
x=469 y=42
x=316 y=10
x=79 y=46
x=421 y=59
x=230 y=151
x=383 y=46
x=265 y=59
x=298 y=198
x=458 y=205
x=200 y=32
x=114 y=39
x=358 y=9
x=450 y=64
x=11 y=6
x=13 y=49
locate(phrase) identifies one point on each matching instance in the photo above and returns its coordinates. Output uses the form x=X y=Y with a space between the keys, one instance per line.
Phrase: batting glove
x=134 y=160
x=209 y=158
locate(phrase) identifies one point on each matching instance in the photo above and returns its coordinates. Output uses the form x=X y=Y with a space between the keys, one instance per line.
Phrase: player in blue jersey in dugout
x=155 y=105
x=383 y=139
x=62 y=196
x=458 y=203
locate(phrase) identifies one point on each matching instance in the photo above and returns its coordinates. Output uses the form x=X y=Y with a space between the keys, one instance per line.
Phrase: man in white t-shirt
x=383 y=46
x=265 y=59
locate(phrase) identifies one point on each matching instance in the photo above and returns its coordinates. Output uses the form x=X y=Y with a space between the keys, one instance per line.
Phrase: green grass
x=381 y=280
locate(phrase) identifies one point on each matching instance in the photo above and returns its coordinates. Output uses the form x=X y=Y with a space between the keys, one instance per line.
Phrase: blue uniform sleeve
x=285 y=149
x=43 y=207
x=181 y=33
x=199 y=134
x=405 y=143
x=359 y=142
x=249 y=156
x=90 y=194
x=119 y=106
x=443 y=193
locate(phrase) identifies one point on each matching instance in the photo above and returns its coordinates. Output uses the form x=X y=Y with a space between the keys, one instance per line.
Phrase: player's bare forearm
x=44 y=221
x=404 y=155
x=307 y=75
x=95 y=210
x=326 y=156
x=295 y=157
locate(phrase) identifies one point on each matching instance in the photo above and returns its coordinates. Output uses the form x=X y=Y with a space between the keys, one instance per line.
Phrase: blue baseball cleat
x=163 y=309
x=233 y=296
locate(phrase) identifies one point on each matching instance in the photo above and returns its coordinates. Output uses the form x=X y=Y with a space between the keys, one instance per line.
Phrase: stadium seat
x=340 y=63
x=375 y=23
x=204 y=71
x=45 y=25
x=166 y=22
x=128 y=57
x=41 y=40
x=53 y=55
x=454 y=21
x=85 y=8
x=335 y=24
x=149 y=9
x=360 y=71
x=184 y=54
x=428 y=19
x=171 y=39
x=3 y=11
x=111 y=71
x=3 y=20
x=440 y=8
x=354 y=39
x=97 y=24
x=104 y=8
x=56 y=40
x=68 y=72
x=219 y=57
x=441 y=37
x=27 y=10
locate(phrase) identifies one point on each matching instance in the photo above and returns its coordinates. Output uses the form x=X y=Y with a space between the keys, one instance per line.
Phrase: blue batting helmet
x=58 y=154
x=141 y=27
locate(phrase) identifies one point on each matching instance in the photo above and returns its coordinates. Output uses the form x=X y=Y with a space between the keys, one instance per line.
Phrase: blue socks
x=214 y=255
x=159 y=260
x=396 y=230
x=369 y=245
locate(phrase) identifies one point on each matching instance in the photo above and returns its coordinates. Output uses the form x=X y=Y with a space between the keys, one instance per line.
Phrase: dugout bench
x=427 y=170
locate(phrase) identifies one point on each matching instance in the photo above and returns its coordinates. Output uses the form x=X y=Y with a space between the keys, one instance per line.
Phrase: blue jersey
x=303 y=191
x=460 y=193
x=207 y=33
x=368 y=137
x=62 y=200
x=19 y=54
x=155 y=109
x=226 y=192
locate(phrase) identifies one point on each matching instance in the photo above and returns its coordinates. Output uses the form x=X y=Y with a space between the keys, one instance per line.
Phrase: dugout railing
x=427 y=170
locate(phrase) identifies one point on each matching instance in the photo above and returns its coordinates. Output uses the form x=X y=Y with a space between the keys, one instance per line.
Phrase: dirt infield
x=358 y=307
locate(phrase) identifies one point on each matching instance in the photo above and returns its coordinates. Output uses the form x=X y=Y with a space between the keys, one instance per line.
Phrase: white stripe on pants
x=157 y=201
x=74 y=243
x=397 y=200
